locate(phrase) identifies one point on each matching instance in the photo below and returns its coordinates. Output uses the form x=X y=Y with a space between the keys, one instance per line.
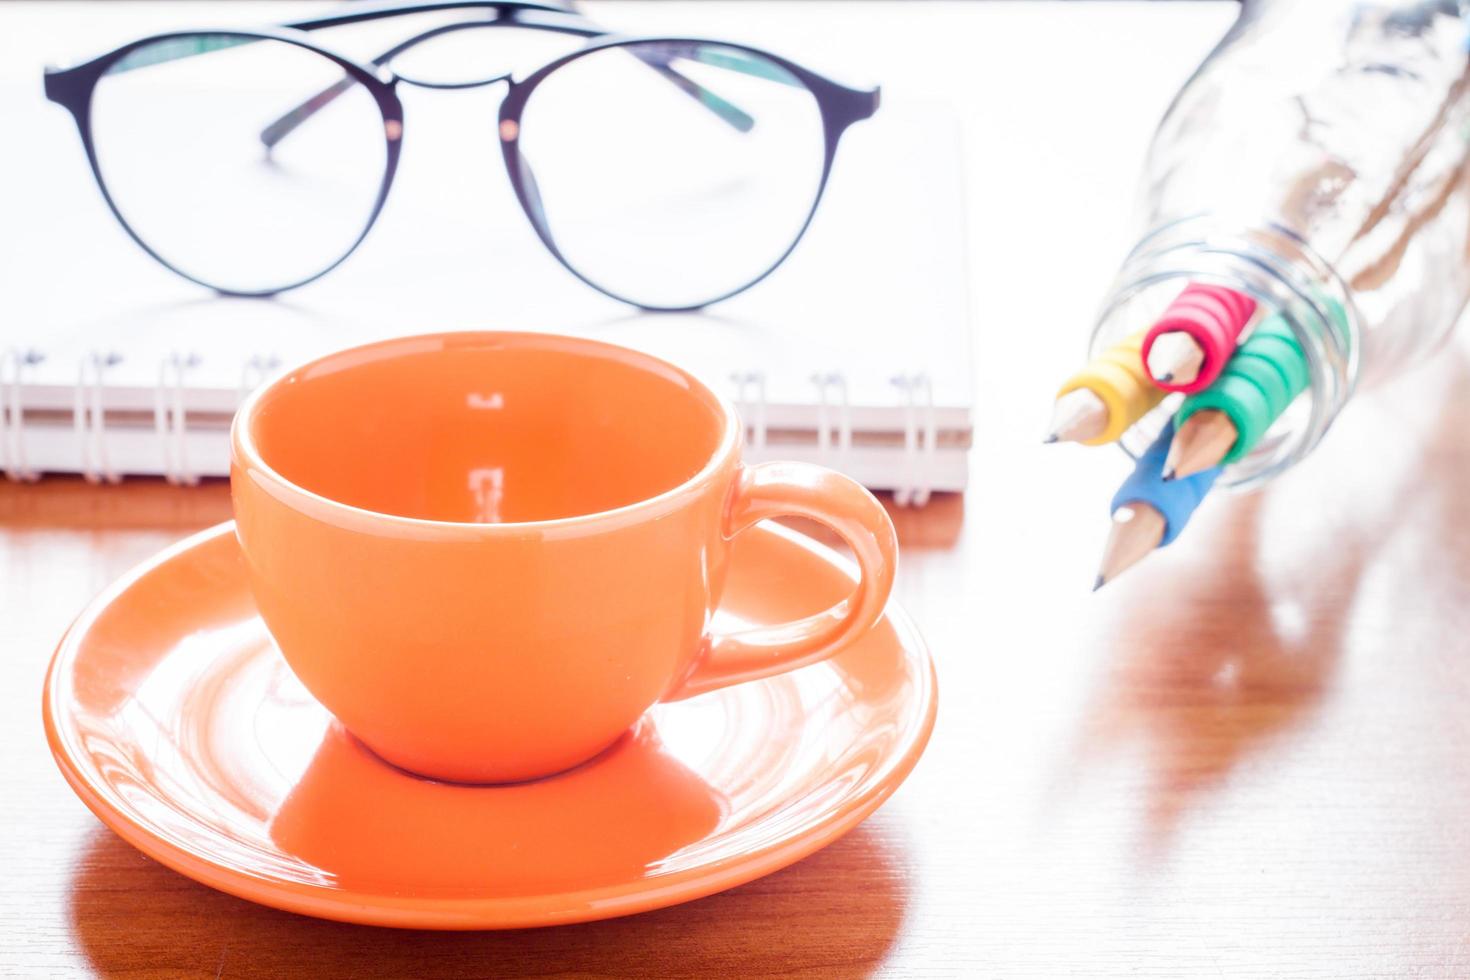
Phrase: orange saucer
x=176 y=721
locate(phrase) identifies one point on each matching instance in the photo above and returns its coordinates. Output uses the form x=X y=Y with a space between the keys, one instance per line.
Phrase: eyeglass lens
x=176 y=128
x=673 y=173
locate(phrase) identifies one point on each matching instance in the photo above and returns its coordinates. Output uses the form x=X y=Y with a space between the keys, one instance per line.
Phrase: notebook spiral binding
x=13 y=365
x=170 y=422
x=89 y=417
x=169 y=418
x=920 y=437
x=835 y=381
x=834 y=424
x=752 y=410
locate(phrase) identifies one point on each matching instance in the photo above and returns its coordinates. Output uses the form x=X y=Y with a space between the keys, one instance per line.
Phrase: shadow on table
x=836 y=913
x=1207 y=672
x=1215 y=663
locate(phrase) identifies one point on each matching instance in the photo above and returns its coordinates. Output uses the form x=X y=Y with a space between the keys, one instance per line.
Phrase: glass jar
x=1318 y=161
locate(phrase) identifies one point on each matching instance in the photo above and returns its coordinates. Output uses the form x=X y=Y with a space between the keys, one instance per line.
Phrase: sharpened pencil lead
x=1109 y=394
x=1260 y=381
x=1175 y=358
x=1202 y=442
x=1147 y=512
x=1078 y=415
x=1098 y=583
x=1188 y=345
x=1138 y=529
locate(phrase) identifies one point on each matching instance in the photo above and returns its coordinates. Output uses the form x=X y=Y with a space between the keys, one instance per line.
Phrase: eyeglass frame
x=840 y=107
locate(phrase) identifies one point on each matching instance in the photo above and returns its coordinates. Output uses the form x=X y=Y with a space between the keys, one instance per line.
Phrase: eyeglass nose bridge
x=395 y=77
x=385 y=67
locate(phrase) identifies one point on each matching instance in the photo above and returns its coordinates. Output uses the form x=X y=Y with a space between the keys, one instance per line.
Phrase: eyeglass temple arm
x=547 y=20
x=566 y=17
x=175 y=49
x=351 y=12
x=288 y=122
x=737 y=118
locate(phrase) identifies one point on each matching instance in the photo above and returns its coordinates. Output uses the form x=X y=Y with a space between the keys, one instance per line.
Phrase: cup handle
x=769 y=490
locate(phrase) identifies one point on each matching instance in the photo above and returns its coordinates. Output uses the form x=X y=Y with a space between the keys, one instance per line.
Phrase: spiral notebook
x=854 y=354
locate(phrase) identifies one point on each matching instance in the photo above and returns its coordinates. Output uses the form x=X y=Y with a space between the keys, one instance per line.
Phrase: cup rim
x=246 y=454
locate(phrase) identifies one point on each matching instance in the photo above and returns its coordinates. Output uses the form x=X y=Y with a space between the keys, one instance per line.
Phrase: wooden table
x=1250 y=757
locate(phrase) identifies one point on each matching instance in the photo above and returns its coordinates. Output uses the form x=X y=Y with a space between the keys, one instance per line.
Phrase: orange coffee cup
x=487 y=554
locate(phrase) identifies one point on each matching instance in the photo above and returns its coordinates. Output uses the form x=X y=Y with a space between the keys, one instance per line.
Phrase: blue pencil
x=1149 y=511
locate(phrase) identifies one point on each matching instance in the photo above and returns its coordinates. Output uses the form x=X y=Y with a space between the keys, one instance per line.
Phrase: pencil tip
x=1138 y=528
x=1175 y=358
x=1078 y=416
x=1051 y=438
x=1201 y=442
x=1168 y=475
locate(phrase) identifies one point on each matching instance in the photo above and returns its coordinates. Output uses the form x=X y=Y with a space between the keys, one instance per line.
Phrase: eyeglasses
x=669 y=173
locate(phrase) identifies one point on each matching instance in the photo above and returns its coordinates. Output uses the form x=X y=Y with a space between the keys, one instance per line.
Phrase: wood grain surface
x=1249 y=757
